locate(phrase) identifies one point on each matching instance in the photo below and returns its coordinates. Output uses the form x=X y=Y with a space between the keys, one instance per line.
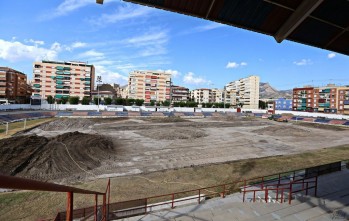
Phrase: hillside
x=267 y=91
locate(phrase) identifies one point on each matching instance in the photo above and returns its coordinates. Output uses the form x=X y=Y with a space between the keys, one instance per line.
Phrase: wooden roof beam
x=99 y=2
x=210 y=8
x=298 y=16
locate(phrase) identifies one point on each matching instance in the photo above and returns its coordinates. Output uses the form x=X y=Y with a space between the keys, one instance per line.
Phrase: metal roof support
x=99 y=2
x=298 y=16
x=210 y=8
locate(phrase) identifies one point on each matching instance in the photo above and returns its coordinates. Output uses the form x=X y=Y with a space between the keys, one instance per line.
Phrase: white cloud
x=69 y=6
x=331 y=55
x=203 y=28
x=174 y=73
x=35 y=42
x=303 y=62
x=150 y=43
x=232 y=64
x=14 y=51
x=123 y=13
x=148 y=39
x=190 y=78
x=209 y=27
x=78 y=44
x=110 y=76
x=93 y=54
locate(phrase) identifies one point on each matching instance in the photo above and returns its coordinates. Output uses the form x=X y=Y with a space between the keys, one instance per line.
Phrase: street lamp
x=99 y=80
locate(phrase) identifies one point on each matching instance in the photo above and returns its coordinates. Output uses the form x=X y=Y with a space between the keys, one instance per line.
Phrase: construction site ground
x=151 y=156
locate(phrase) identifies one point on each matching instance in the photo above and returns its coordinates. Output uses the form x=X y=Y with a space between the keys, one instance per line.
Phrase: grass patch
x=169 y=181
x=19 y=126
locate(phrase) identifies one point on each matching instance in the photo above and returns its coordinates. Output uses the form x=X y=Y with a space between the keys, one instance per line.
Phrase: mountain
x=267 y=91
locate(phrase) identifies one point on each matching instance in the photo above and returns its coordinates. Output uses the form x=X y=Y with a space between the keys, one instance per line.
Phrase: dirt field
x=151 y=156
x=78 y=150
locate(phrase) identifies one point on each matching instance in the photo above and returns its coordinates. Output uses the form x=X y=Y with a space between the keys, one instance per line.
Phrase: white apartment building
x=149 y=86
x=244 y=91
x=202 y=95
x=63 y=79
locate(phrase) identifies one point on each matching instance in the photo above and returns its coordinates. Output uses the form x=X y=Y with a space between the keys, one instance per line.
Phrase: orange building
x=63 y=79
x=13 y=86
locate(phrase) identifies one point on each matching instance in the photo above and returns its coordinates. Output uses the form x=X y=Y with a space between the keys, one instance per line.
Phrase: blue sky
x=119 y=37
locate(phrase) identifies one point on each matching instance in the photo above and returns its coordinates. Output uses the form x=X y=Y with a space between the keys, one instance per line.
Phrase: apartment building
x=202 y=95
x=149 y=85
x=244 y=91
x=13 y=86
x=217 y=95
x=63 y=79
x=179 y=93
x=328 y=99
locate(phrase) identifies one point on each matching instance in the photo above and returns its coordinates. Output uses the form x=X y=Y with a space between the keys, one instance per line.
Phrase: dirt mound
x=67 y=124
x=173 y=133
x=277 y=130
x=56 y=157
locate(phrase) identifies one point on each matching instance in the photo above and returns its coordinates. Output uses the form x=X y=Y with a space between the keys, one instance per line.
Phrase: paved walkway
x=332 y=203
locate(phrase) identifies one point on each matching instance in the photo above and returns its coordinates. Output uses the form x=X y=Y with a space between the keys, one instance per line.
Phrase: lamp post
x=99 y=80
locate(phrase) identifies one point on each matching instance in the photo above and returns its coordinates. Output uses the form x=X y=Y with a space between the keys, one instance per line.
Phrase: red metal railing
x=145 y=205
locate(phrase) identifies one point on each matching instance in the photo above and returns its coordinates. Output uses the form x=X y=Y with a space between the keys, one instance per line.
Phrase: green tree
x=50 y=99
x=152 y=103
x=139 y=102
x=131 y=101
x=166 y=103
x=74 y=100
x=108 y=100
x=95 y=100
x=64 y=100
x=262 y=104
x=85 y=100
x=119 y=101
x=227 y=105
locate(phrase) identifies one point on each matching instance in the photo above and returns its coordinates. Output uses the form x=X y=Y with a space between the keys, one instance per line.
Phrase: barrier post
x=306 y=191
x=254 y=196
x=69 y=214
x=105 y=206
x=199 y=196
x=146 y=206
x=282 y=195
x=266 y=195
x=316 y=186
x=173 y=201
x=290 y=194
x=243 y=199
x=25 y=123
x=96 y=204
x=6 y=128
x=223 y=194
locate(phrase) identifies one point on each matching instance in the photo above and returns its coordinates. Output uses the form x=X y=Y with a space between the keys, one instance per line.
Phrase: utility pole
x=99 y=80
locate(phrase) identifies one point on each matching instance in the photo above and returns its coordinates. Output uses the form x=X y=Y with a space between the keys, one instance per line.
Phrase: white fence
x=79 y=107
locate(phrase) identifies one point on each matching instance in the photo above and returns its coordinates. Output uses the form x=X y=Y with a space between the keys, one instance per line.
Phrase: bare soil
x=78 y=150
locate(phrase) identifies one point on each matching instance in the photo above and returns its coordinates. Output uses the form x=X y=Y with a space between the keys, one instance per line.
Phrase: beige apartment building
x=244 y=91
x=149 y=86
x=13 y=86
x=179 y=93
x=63 y=79
x=202 y=95
x=217 y=95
